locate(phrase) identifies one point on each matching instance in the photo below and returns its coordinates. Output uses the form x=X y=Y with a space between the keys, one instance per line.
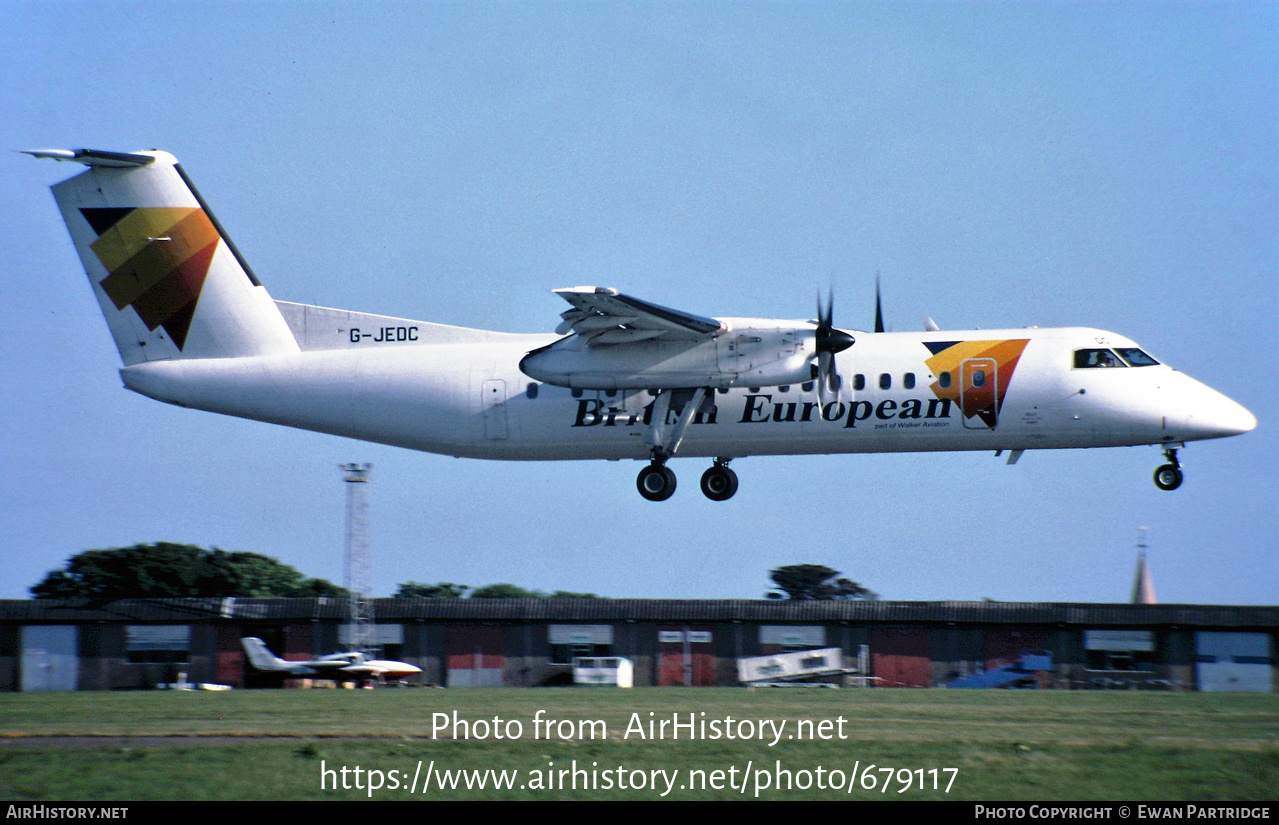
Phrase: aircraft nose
x=1213 y=415
x=1235 y=419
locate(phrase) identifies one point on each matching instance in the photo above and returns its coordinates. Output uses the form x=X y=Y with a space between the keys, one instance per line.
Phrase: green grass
x=1005 y=744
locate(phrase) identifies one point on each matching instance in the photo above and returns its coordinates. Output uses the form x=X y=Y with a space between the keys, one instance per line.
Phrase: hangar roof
x=181 y=611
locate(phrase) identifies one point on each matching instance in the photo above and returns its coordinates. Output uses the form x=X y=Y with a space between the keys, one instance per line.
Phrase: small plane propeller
x=829 y=341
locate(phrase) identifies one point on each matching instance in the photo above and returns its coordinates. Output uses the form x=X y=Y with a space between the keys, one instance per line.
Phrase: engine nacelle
x=739 y=356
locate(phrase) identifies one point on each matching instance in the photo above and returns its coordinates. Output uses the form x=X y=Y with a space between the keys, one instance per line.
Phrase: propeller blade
x=828 y=341
x=879 y=307
x=824 y=363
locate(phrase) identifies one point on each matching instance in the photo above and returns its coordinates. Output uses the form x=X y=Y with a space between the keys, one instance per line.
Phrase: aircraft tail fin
x=260 y=657
x=169 y=281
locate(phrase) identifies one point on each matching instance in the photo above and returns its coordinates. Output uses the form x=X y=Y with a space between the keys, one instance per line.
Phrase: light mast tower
x=361 y=638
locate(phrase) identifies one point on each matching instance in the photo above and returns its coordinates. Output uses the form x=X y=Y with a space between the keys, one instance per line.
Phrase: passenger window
x=979 y=378
x=1089 y=358
x=908 y=380
x=784 y=388
x=885 y=381
x=577 y=393
x=859 y=381
x=807 y=386
x=531 y=390
x=943 y=380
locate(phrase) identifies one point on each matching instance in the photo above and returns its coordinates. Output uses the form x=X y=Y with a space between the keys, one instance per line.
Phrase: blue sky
x=1001 y=165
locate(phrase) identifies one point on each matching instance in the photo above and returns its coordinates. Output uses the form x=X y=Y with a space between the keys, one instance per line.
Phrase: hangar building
x=139 y=643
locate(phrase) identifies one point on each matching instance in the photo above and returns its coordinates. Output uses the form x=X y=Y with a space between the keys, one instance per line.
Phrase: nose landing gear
x=1169 y=476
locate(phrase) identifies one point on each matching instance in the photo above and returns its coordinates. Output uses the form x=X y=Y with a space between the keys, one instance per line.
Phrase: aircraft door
x=979 y=392
x=493 y=405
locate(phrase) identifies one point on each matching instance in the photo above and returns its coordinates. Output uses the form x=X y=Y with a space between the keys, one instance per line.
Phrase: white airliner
x=621 y=378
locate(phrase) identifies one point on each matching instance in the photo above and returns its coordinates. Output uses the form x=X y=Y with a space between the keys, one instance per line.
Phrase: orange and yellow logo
x=975 y=375
x=158 y=258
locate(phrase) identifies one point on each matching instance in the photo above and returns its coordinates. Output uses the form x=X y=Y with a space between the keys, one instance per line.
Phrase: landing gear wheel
x=656 y=482
x=1168 y=477
x=719 y=483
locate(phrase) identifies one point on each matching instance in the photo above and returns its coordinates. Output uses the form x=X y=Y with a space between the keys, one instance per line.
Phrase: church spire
x=1143 y=589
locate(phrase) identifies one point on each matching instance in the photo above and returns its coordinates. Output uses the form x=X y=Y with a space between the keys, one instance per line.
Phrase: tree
x=443 y=590
x=814 y=581
x=165 y=570
x=505 y=591
x=449 y=590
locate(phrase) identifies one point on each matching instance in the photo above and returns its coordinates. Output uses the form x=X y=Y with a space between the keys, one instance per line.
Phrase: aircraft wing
x=328 y=665
x=604 y=316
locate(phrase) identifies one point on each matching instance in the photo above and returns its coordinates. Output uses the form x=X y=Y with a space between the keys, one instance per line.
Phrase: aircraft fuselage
x=471 y=399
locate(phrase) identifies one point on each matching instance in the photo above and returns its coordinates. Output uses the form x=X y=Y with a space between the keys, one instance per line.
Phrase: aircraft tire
x=656 y=482
x=1168 y=477
x=719 y=483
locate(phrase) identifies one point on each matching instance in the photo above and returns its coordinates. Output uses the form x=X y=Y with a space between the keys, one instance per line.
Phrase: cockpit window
x=1086 y=358
x=1137 y=358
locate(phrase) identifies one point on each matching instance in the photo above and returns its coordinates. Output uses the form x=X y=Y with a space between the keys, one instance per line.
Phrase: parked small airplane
x=621 y=378
x=342 y=667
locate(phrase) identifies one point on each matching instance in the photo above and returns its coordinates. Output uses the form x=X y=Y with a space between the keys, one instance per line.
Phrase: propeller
x=829 y=341
x=879 y=307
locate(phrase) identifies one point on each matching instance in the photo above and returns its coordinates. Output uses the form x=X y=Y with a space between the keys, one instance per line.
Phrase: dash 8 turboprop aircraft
x=621 y=378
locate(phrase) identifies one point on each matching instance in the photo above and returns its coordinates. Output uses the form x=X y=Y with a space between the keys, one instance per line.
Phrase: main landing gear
x=656 y=482
x=718 y=482
x=1169 y=476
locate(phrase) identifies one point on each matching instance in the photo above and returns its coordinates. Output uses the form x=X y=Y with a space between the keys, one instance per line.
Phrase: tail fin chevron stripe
x=158 y=258
x=168 y=280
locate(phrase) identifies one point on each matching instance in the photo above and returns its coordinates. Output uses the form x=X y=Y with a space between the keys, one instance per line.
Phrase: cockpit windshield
x=1136 y=357
x=1087 y=358
x=1126 y=357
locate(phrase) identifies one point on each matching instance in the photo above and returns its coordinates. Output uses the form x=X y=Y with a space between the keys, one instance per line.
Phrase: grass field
x=1003 y=745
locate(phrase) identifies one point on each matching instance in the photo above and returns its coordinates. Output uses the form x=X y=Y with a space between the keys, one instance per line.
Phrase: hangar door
x=899 y=656
x=50 y=657
x=686 y=656
x=476 y=656
x=1233 y=662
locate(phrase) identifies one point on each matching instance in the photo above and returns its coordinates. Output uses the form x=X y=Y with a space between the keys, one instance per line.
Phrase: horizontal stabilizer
x=92 y=157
